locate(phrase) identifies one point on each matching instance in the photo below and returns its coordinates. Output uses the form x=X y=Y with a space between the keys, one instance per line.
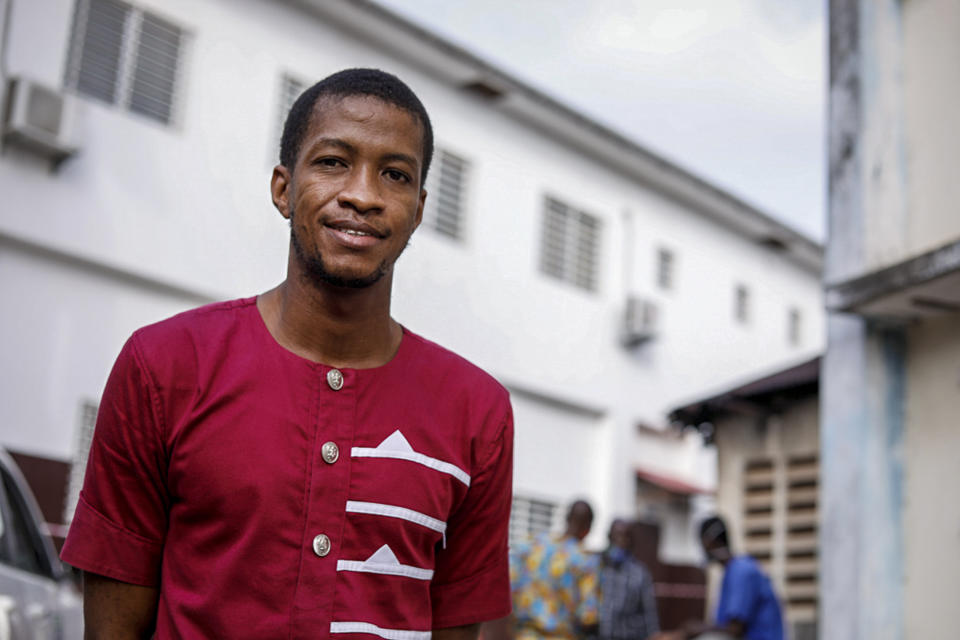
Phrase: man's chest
x=281 y=466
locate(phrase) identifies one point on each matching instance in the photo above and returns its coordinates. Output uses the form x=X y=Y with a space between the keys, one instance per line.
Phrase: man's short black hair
x=714 y=528
x=353 y=82
x=580 y=510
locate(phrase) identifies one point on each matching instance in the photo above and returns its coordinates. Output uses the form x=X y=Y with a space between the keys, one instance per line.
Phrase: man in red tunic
x=298 y=464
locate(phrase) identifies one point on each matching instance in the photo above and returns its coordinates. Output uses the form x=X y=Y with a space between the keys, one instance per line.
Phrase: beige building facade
x=766 y=433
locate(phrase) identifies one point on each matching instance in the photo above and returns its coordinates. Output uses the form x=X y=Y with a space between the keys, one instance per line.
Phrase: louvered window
x=793 y=327
x=759 y=513
x=446 y=185
x=741 y=304
x=83 y=436
x=290 y=90
x=780 y=518
x=569 y=248
x=530 y=517
x=801 y=567
x=127 y=57
x=664 y=269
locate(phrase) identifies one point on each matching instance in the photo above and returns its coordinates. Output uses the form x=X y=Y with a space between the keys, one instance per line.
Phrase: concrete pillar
x=862 y=384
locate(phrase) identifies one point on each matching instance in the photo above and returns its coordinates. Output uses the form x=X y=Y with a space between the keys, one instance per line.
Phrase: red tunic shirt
x=270 y=496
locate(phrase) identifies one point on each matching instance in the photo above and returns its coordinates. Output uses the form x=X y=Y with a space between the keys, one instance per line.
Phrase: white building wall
x=65 y=323
x=188 y=206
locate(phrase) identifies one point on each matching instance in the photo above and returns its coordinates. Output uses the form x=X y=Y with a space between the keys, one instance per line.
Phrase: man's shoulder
x=209 y=318
x=744 y=568
x=454 y=369
x=638 y=568
x=540 y=541
x=745 y=562
x=192 y=330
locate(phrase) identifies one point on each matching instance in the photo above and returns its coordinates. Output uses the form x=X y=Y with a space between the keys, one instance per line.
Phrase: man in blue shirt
x=748 y=606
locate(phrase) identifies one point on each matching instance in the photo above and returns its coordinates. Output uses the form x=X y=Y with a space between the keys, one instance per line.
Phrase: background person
x=748 y=606
x=554 y=581
x=628 y=608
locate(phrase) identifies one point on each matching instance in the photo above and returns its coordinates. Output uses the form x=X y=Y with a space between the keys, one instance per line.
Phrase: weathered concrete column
x=862 y=384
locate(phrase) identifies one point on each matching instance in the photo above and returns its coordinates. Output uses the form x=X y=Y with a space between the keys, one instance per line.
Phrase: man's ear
x=280 y=183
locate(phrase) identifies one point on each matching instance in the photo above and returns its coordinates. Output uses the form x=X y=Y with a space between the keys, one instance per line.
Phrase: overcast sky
x=733 y=90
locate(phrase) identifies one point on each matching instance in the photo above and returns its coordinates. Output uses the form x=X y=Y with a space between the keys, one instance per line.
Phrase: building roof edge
x=468 y=71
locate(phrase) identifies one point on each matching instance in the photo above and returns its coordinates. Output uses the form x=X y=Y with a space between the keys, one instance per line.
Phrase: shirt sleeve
x=472 y=579
x=518 y=560
x=120 y=521
x=588 y=593
x=649 y=604
x=739 y=592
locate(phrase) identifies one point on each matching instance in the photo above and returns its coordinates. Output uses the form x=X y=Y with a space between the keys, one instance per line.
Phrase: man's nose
x=361 y=191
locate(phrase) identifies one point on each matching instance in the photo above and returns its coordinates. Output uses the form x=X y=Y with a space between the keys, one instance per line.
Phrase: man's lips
x=353 y=234
x=355 y=228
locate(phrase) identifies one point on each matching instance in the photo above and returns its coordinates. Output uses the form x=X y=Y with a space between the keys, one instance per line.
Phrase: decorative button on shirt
x=321 y=545
x=335 y=379
x=330 y=452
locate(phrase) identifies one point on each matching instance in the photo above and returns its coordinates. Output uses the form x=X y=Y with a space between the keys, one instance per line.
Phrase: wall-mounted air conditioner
x=639 y=321
x=37 y=118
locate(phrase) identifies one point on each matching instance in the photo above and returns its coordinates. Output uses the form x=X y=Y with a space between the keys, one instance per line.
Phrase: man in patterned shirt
x=554 y=582
x=628 y=609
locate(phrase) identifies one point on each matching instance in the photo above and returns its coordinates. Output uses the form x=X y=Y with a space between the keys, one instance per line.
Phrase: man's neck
x=346 y=328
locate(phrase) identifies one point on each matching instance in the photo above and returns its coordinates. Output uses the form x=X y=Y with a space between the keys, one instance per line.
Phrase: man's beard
x=318 y=273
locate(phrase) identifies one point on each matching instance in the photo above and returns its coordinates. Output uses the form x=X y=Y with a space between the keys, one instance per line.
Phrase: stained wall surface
x=931 y=515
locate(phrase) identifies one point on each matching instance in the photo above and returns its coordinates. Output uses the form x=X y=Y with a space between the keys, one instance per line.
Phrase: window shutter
x=570 y=245
x=802 y=570
x=585 y=268
x=445 y=199
x=793 y=327
x=97 y=49
x=759 y=482
x=741 y=304
x=126 y=57
x=664 y=269
x=780 y=528
x=554 y=239
x=530 y=517
x=154 y=76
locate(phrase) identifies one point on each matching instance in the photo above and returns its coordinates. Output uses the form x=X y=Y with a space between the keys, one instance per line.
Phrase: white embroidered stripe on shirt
x=413 y=456
x=385 y=569
x=389 y=634
x=392 y=511
x=385 y=562
x=396 y=446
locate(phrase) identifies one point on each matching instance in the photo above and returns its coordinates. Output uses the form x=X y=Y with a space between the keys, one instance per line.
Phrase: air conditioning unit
x=37 y=118
x=639 y=321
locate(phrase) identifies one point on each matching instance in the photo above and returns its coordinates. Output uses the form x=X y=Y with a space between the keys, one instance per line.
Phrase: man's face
x=715 y=550
x=619 y=535
x=354 y=196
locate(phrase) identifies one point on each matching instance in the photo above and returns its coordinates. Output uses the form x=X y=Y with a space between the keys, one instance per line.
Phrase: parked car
x=38 y=600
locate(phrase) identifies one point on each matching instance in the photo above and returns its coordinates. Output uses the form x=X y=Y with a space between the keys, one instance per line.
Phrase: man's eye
x=399 y=176
x=329 y=162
